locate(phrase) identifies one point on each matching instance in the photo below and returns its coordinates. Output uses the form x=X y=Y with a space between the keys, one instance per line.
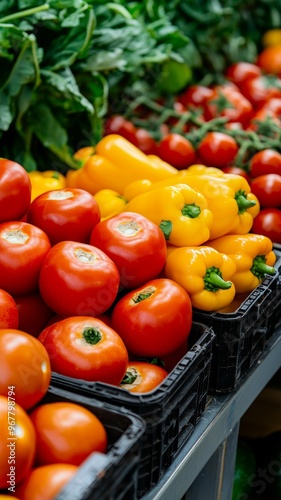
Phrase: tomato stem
x=130 y=376
x=91 y=335
x=145 y=294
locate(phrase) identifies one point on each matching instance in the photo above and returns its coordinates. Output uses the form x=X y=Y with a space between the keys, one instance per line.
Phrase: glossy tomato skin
x=228 y=101
x=218 y=149
x=267 y=161
x=66 y=432
x=195 y=96
x=73 y=352
x=267 y=188
x=154 y=319
x=65 y=214
x=241 y=71
x=78 y=279
x=45 y=482
x=135 y=244
x=259 y=90
x=145 y=142
x=268 y=223
x=9 y=317
x=17 y=443
x=117 y=124
x=142 y=377
x=25 y=364
x=177 y=150
x=15 y=190
x=33 y=313
x=236 y=171
x=23 y=248
x=269 y=59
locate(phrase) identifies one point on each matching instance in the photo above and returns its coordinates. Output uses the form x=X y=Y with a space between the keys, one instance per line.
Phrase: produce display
x=140 y=186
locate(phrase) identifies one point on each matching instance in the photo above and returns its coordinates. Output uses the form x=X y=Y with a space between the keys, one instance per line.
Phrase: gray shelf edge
x=220 y=416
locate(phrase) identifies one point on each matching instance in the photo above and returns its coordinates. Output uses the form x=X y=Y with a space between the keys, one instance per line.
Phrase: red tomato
x=23 y=248
x=135 y=244
x=228 y=101
x=66 y=432
x=145 y=142
x=85 y=347
x=268 y=223
x=154 y=319
x=45 y=482
x=176 y=150
x=119 y=125
x=78 y=279
x=17 y=443
x=269 y=60
x=9 y=317
x=65 y=214
x=218 y=149
x=171 y=360
x=267 y=161
x=259 y=119
x=142 y=377
x=25 y=364
x=195 y=96
x=258 y=90
x=33 y=313
x=236 y=171
x=267 y=188
x=15 y=190
x=240 y=71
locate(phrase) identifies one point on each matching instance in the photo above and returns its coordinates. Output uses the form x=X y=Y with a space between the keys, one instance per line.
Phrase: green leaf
x=6 y=114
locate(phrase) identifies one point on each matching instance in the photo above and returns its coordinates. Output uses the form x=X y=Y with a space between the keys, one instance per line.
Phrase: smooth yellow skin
x=188 y=266
x=110 y=202
x=243 y=249
x=41 y=182
x=198 y=169
x=166 y=203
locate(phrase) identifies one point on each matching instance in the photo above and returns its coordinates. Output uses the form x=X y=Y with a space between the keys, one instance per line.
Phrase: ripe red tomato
x=24 y=364
x=135 y=244
x=17 y=443
x=267 y=161
x=268 y=223
x=195 y=96
x=9 y=317
x=267 y=188
x=269 y=59
x=236 y=171
x=142 y=377
x=240 y=71
x=33 y=313
x=23 y=248
x=218 y=149
x=78 y=279
x=228 y=101
x=45 y=482
x=65 y=214
x=154 y=319
x=176 y=150
x=258 y=90
x=117 y=124
x=15 y=190
x=66 y=432
x=145 y=142
x=85 y=347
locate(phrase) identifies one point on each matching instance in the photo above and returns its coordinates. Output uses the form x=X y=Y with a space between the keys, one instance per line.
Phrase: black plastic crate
x=110 y=476
x=171 y=411
x=242 y=335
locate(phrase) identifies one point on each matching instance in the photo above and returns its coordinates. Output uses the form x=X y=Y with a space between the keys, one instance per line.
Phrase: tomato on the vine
x=142 y=377
x=15 y=192
x=236 y=171
x=117 y=124
x=195 y=96
x=85 y=347
x=228 y=101
x=23 y=248
x=267 y=188
x=25 y=364
x=65 y=214
x=46 y=481
x=240 y=71
x=260 y=89
x=154 y=319
x=9 y=317
x=66 y=432
x=218 y=149
x=17 y=443
x=78 y=279
x=177 y=150
x=268 y=223
x=135 y=244
x=267 y=161
x=145 y=142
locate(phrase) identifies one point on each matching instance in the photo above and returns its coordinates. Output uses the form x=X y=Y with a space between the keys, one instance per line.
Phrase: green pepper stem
x=260 y=268
x=91 y=335
x=191 y=210
x=214 y=281
x=242 y=202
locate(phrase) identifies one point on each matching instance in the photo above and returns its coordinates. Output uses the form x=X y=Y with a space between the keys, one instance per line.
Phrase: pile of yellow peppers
x=206 y=217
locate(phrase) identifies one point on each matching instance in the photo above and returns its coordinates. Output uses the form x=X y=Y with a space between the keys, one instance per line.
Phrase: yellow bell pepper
x=48 y=180
x=110 y=202
x=180 y=212
x=199 y=169
x=253 y=255
x=205 y=274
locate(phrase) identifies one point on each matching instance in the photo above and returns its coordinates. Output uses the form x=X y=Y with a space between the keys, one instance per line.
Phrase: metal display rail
x=204 y=467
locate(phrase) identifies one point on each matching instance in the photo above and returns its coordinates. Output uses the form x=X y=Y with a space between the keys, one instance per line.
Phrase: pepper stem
x=91 y=335
x=191 y=211
x=214 y=281
x=260 y=268
x=242 y=201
